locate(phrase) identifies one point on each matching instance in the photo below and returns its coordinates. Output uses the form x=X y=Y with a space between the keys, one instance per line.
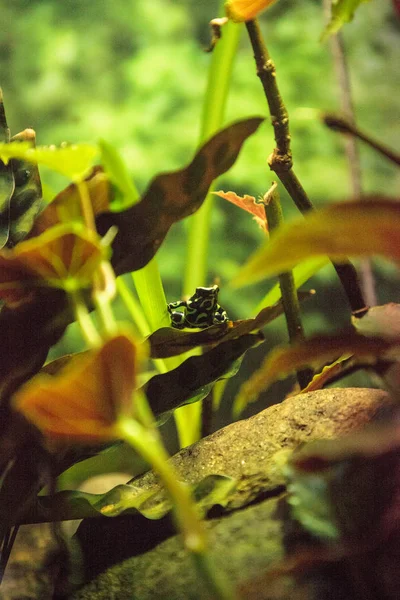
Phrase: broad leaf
x=64 y=257
x=332 y=484
x=193 y=379
x=314 y=352
x=66 y=206
x=127 y=499
x=167 y=341
x=73 y=161
x=382 y=321
x=84 y=401
x=347 y=229
x=342 y=12
x=301 y=274
x=172 y=197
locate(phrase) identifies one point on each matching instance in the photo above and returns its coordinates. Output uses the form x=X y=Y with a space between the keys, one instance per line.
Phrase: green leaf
x=301 y=274
x=127 y=499
x=172 y=197
x=119 y=175
x=73 y=161
x=342 y=12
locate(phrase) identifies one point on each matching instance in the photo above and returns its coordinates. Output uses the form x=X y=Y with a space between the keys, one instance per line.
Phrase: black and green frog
x=200 y=310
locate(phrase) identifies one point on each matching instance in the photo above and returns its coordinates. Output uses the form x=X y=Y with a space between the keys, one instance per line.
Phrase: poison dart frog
x=201 y=310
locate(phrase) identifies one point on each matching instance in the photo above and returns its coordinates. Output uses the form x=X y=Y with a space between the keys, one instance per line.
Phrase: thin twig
x=351 y=148
x=290 y=299
x=343 y=126
x=280 y=161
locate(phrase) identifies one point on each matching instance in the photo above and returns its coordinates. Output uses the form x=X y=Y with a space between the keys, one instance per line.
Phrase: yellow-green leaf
x=73 y=161
x=340 y=230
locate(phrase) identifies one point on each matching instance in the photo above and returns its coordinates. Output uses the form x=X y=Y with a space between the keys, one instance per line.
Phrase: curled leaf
x=248 y=203
x=359 y=228
x=83 y=402
x=172 y=197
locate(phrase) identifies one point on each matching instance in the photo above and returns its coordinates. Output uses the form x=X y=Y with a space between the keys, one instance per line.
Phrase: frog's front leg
x=178 y=304
x=220 y=316
x=178 y=319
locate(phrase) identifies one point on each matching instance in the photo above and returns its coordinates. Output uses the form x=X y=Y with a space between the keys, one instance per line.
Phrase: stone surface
x=247 y=542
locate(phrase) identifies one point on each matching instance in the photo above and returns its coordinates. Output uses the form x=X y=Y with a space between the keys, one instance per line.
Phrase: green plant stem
x=147 y=442
x=133 y=307
x=281 y=162
x=188 y=417
x=215 y=99
x=82 y=316
x=290 y=299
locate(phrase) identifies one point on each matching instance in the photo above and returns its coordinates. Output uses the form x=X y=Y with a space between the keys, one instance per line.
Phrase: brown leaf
x=314 y=352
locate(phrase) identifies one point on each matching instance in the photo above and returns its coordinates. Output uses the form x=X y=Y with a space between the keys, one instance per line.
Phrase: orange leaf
x=362 y=228
x=249 y=204
x=65 y=257
x=244 y=10
x=83 y=402
x=314 y=352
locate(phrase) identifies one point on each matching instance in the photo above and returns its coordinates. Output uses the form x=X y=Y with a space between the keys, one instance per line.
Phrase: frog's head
x=207 y=292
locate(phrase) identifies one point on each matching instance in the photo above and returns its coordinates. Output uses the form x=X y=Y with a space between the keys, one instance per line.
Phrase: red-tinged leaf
x=382 y=321
x=359 y=228
x=249 y=204
x=66 y=206
x=172 y=197
x=245 y=10
x=326 y=375
x=64 y=257
x=314 y=353
x=83 y=402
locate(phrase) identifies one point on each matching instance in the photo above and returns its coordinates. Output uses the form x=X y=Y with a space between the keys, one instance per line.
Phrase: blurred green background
x=134 y=72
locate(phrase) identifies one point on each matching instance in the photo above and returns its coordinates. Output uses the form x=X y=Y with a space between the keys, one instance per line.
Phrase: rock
x=245 y=543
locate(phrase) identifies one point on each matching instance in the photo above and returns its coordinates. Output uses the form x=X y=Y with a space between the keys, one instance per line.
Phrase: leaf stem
x=199 y=225
x=147 y=442
x=82 y=316
x=281 y=162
